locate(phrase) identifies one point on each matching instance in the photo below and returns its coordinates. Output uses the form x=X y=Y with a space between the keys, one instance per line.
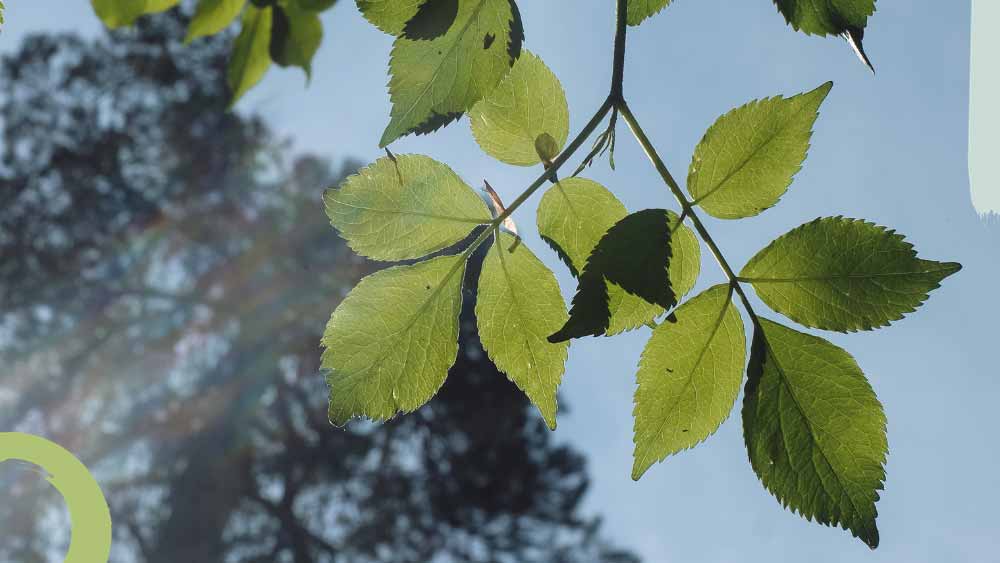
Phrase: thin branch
x=686 y=206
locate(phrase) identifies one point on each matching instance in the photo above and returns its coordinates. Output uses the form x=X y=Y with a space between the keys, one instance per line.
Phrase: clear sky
x=890 y=148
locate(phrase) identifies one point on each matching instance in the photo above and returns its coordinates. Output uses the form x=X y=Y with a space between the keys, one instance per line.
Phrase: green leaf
x=639 y=10
x=826 y=17
x=814 y=429
x=295 y=36
x=316 y=5
x=747 y=159
x=519 y=304
x=250 y=58
x=390 y=343
x=118 y=13
x=689 y=377
x=212 y=16
x=526 y=113
x=404 y=208
x=574 y=214
x=389 y=15
x=843 y=274
x=634 y=254
x=438 y=77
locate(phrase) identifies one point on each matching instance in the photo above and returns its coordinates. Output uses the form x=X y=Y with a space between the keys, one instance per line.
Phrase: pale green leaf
x=747 y=159
x=814 y=429
x=572 y=217
x=389 y=15
x=843 y=274
x=390 y=343
x=689 y=377
x=519 y=305
x=639 y=10
x=433 y=79
x=212 y=16
x=826 y=17
x=403 y=209
x=118 y=13
x=528 y=105
x=295 y=36
x=250 y=58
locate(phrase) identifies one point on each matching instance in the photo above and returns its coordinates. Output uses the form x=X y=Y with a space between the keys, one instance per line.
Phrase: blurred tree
x=166 y=273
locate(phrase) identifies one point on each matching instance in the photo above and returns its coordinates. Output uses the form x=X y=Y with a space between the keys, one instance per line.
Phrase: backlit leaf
x=118 y=13
x=689 y=377
x=634 y=254
x=389 y=15
x=438 y=77
x=295 y=36
x=747 y=159
x=250 y=58
x=574 y=214
x=814 y=430
x=390 y=343
x=404 y=209
x=518 y=305
x=639 y=10
x=212 y=16
x=843 y=274
x=527 y=105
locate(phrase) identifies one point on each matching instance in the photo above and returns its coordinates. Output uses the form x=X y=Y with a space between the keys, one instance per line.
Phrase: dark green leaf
x=826 y=17
x=518 y=305
x=634 y=254
x=689 y=377
x=814 y=429
x=575 y=213
x=747 y=159
x=317 y=5
x=295 y=36
x=843 y=274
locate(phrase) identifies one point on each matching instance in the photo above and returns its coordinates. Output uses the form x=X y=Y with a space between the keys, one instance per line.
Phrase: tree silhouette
x=167 y=271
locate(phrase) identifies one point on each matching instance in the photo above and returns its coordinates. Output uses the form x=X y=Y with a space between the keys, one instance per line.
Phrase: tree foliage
x=814 y=430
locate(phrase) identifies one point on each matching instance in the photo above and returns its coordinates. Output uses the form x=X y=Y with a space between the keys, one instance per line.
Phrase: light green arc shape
x=90 y=517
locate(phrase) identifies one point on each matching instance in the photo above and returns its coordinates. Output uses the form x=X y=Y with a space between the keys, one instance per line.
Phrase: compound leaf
x=390 y=343
x=689 y=377
x=295 y=36
x=814 y=430
x=526 y=114
x=574 y=214
x=404 y=207
x=451 y=72
x=389 y=15
x=639 y=10
x=250 y=58
x=747 y=158
x=518 y=305
x=843 y=274
x=212 y=16
x=118 y=13
x=634 y=254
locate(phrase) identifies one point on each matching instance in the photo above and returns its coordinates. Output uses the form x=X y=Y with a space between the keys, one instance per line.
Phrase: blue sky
x=890 y=148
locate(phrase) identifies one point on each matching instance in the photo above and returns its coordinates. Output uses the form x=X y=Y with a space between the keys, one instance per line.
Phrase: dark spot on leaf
x=488 y=40
x=433 y=19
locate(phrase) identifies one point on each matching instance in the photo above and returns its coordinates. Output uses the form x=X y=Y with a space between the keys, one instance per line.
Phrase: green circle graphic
x=90 y=518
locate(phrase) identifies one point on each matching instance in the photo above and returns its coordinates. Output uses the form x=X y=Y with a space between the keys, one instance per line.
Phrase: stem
x=687 y=207
x=618 y=67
